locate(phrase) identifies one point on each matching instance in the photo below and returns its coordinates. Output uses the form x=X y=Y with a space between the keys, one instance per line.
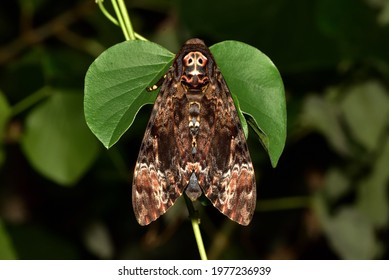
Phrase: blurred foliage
x=63 y=196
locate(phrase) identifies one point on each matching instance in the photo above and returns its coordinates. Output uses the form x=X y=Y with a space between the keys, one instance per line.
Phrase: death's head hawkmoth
x=194 y=142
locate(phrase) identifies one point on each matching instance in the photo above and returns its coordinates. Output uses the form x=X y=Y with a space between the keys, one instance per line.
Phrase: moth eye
x=190 y=61
x=200 y=61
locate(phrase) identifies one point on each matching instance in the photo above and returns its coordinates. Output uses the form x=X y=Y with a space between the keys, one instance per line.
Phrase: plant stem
x=128 y=31
x=196 y=228
x=30 y=100
x=293 y=202
x=36 y=35
x=106 y=13
x=127 y=21
x=120 y=18
x=140 y=37
x=199 y=239
x=114 y=21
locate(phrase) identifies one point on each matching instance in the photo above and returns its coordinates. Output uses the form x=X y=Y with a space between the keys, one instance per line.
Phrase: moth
x=194 y=142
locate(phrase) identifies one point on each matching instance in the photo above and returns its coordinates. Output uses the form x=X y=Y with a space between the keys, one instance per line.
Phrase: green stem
x=196 y=228
x=106 y=13
x=114 y=21
x=30 y=100
x=120 y=18
x=294 y=202
x=126 y=18
x=140 y=37
x=199 y=239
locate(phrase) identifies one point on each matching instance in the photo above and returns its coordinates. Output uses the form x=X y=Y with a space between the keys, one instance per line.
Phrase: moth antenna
x=211 y=70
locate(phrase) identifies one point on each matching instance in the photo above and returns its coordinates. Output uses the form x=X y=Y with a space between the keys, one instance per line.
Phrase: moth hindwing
x=194 y=142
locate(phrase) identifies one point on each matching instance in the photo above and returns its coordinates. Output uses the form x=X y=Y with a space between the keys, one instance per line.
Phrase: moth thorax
x=193 y=190
x=194 y=75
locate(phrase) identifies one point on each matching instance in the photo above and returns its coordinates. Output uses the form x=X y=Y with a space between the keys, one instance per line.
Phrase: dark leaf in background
x=57 y=141
x=5 y=112
x=7 y=251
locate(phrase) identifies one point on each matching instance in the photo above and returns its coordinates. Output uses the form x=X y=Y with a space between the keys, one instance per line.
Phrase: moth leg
x=157 y=84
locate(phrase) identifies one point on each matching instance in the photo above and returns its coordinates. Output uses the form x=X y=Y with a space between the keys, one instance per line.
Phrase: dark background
x=326 y=199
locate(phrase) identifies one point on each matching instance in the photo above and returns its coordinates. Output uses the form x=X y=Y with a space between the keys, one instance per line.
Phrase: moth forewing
x=194 y=142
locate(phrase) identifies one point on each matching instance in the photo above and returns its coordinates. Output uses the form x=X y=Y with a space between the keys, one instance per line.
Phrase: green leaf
x=349 y=232
x=5 y=112
x=115 y=86
x=97 y=240
x=254 y=79
x=364 y=105
x=57 y=142
x=372 y=197
x=322 y=115
x=7 y=251
x=346 y=231
x=336 y=184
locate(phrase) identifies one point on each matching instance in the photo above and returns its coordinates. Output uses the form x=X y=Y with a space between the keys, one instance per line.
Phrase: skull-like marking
x=194 y=75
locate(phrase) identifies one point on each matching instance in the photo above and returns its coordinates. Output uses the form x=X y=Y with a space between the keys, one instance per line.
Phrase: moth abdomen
x=193 y=190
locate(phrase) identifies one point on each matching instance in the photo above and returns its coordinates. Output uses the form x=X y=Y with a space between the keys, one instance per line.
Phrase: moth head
x=195 y=74
x=202 y=59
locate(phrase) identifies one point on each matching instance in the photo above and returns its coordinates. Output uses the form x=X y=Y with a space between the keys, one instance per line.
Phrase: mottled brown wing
x=157 y=179
x=229 y=174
